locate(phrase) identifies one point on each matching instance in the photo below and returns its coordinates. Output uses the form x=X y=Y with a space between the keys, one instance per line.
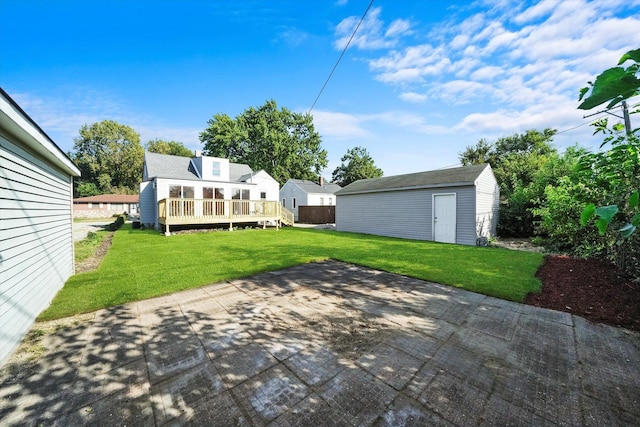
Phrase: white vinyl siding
x=404 y=213
x=36 y=243
x=148 y=204
x=487 y=204
x=465 y=214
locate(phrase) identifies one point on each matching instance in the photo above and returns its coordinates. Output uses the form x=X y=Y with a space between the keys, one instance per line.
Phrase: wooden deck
x=174 y=211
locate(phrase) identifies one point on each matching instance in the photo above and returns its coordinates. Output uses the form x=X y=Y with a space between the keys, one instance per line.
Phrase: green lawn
x=144 y=263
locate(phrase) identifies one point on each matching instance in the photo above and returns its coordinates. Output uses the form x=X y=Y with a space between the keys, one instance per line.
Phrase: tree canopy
x=518 y=161
x=356 y=164
x=283 y=143
x=110 y=157
x=173 y=148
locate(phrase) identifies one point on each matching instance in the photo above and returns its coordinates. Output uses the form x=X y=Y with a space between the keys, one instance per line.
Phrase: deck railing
x=174 y=211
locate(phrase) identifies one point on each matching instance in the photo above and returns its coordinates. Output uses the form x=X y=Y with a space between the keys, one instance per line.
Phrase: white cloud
x=62 y=117
x=511 y=56
x=338 y=125
x=371 y=33
x=292 y=37
x=399 y=27
x=536 y=11
x=345 y=126
x=413 y=97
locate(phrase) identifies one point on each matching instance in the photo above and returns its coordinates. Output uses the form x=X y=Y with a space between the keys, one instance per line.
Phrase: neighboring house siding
x=36 y=245
x=290 y=191
x=487 y=204
x=315 y=199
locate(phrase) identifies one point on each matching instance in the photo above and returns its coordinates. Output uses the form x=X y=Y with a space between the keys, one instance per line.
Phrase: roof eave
x=414 y=187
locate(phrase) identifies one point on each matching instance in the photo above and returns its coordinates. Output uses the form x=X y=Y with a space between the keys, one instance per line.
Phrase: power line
x=341 y=55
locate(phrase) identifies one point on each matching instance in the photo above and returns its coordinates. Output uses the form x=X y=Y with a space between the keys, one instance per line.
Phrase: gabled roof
x=178 y=167
x=239 y=172
x=167 y=166
x=109 y=198
x=465 y=175
x=313 y=187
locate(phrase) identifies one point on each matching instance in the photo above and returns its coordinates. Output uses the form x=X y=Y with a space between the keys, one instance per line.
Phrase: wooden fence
x=317 y=214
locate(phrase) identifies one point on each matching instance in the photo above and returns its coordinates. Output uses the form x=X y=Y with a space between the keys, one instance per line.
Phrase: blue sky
x=421 y=80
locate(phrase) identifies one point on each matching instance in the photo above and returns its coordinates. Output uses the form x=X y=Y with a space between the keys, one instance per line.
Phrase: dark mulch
x=591 y=288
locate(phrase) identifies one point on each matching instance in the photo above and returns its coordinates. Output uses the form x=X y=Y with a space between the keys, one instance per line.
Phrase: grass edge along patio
x=143 y=264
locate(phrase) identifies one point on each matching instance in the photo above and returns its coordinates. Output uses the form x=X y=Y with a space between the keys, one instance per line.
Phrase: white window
x=330 y=201
x=263 y=195
x=215 y=170
x=284 y=203
x=321 y=201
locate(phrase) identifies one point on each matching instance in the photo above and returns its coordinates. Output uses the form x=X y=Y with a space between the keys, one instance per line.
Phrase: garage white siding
x=402 y=205
x=405 y=214
x=36 y=243
x=487 y=204
x=465 y=214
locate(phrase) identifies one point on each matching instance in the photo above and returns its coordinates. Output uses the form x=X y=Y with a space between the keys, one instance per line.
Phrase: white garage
x=458 y=205
x=36 y=242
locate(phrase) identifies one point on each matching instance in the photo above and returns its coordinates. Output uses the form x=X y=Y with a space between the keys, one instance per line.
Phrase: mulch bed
x=590 y=288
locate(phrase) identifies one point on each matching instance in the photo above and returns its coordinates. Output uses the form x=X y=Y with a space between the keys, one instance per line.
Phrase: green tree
x=86 y=189
x=516 y=160
x=478 y=154
x=283 y=143
x=173 y=148
x=110 y=157
x=356 y=164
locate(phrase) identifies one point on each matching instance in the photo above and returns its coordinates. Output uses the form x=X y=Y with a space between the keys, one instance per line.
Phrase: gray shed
x=36 y=242
x=458 y=205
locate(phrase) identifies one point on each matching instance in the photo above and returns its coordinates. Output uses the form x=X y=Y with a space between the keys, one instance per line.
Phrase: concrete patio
x=330 y=344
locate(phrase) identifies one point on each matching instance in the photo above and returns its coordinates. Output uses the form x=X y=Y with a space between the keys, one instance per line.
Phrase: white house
x=203 y=188
x=458 y=205
x=36 y=242
x=299 y=192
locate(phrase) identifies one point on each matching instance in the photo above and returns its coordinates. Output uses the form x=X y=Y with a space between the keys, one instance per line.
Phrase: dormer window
x=215 y=169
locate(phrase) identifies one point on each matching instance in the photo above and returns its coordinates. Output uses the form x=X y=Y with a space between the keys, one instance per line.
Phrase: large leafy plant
x=618 y=169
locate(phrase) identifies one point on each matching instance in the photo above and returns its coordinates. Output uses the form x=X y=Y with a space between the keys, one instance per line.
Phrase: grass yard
x=143 y=263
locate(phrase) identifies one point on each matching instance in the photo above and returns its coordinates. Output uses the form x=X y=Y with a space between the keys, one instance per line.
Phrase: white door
x=444 y=218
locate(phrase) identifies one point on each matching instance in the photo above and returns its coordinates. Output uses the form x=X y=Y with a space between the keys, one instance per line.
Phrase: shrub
x=117 y=223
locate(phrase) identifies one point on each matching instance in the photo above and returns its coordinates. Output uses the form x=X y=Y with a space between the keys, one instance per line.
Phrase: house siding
x=487 y=204
x=289 y=191
x=404 y=213
x=148 y=204
x=149 y=196
x=36 y=243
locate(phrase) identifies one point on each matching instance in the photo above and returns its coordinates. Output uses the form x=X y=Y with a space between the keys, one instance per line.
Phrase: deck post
x=230 y=226
x=166 y=228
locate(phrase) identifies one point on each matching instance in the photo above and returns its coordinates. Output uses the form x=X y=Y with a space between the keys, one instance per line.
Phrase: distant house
x=105 y=205
x=298 y=192
x=36 y=242
x=205 y=190
x=458 y=205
